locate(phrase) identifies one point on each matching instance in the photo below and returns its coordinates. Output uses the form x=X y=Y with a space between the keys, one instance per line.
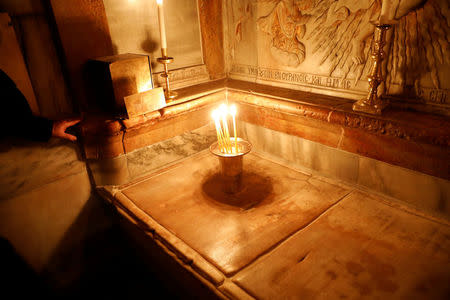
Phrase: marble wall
x=138 y=163
x=140 y=17
x=418 y=190
x=324 y=46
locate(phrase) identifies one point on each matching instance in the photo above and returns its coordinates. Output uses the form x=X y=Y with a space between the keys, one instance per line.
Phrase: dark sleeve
x=16 y=118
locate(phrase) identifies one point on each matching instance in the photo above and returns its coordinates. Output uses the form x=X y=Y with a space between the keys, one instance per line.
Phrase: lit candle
x=223 y=112
x=162 y=28
x=233 y=114
x=220 y=141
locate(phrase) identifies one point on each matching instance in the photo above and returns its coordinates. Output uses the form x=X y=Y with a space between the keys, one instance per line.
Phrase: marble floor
x=112 y=270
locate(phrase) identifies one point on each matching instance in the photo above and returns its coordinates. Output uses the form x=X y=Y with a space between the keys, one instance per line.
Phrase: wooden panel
x=84 y=34
x=12 y=62
x=44 y=66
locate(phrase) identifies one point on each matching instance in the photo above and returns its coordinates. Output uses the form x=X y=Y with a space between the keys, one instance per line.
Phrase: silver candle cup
x=231 y=165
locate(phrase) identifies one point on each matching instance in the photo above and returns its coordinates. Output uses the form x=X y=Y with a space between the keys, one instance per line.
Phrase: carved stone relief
x=324 y=45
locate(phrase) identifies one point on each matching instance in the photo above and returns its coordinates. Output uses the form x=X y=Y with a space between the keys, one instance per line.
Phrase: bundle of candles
x=226 y=144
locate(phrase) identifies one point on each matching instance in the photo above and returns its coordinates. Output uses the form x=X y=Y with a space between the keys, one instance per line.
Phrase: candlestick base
x=374 y=104
x=170 y=94
x=231 y=165
x=367 y=107
x=165 y=60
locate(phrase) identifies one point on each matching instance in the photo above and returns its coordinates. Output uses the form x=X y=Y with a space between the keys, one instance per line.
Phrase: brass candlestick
x=373 y=104
x=165 y=60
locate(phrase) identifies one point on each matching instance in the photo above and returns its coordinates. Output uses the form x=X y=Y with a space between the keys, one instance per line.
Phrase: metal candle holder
x=231 y=165
x=165 y=60
x=373 y=104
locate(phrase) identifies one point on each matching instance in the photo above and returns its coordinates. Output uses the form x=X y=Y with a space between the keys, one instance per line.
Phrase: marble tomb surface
x=287 y=234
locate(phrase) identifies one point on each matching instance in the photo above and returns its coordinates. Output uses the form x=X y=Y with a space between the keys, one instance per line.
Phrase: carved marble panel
x=324 y=45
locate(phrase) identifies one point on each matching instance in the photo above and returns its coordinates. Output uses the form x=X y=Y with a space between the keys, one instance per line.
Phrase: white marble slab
x=159 y=154
x=26 y=165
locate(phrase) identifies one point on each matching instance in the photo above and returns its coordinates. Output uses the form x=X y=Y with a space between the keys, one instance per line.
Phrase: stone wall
x=324 y=46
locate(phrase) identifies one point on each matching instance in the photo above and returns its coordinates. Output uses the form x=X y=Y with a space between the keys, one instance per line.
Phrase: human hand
x=60 y=127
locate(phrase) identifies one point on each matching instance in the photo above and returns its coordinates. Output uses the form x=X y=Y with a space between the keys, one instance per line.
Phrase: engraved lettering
x=252 y=70
x=315 y=80
x=305 y=78
x=438 y=96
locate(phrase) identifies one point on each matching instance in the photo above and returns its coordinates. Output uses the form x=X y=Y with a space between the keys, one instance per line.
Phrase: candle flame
x=223 y=109
x=223 y=134
x=215 y=114
x=159 y=2
x=233 y=110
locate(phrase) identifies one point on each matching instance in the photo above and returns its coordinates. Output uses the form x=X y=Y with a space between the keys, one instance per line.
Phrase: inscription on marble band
x=184 y=74
x=292 y=77
x=433 y=95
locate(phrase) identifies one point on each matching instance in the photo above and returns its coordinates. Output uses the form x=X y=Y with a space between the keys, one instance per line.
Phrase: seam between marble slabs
x=289 y=236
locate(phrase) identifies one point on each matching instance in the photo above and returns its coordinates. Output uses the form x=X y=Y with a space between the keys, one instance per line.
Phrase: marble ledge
x=189 y=98
x=325 y=119
x=409 y=125
x=419 y=126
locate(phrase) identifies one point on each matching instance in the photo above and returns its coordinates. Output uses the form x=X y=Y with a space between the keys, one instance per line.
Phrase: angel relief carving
x=284 y=24
x=339 y=33
x=325 y=22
